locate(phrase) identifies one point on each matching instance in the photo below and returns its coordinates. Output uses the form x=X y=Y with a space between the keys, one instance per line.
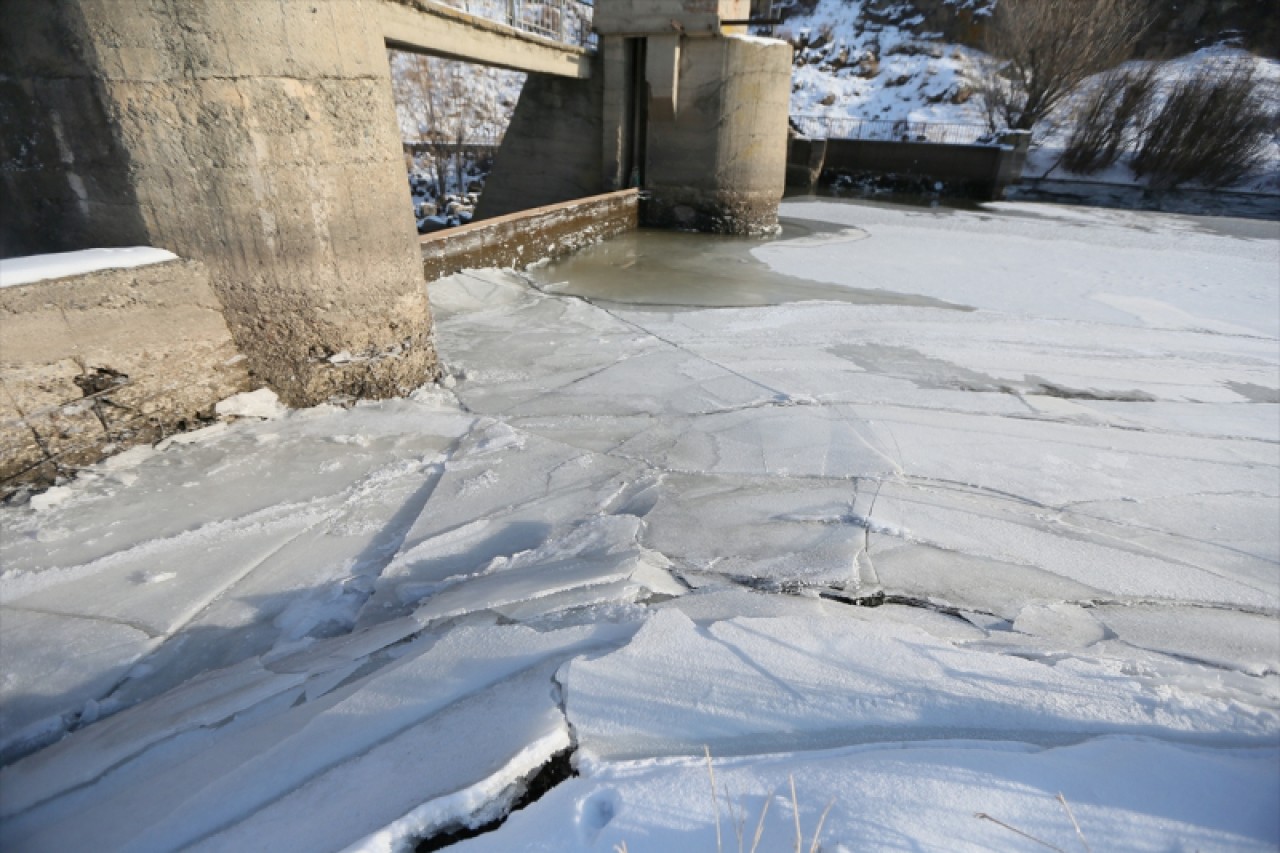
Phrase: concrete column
x=719 y=163
x=258 y=136
x=616 y=74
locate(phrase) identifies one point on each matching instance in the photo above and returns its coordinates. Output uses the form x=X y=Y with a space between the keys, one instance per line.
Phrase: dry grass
x=738 y=816
x=1065 y=807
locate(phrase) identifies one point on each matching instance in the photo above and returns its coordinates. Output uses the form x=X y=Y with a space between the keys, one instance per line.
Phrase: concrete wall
x=718 y=163
x=519 y=239
x=95 y=363
x=258 y=136
x=551 y=150
x=979 y=170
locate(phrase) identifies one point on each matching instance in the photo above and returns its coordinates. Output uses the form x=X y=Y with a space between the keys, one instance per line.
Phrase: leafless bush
x=1043 y=49
x=1212 y=129
x=436 y=91
x=1111 y=118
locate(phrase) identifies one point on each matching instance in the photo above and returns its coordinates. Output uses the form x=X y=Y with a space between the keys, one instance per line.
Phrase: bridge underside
x=426 y=27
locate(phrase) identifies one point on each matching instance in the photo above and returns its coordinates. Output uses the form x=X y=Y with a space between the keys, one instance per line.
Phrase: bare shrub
x=1112 y=116
x=1212 y=129
x=1043 y=49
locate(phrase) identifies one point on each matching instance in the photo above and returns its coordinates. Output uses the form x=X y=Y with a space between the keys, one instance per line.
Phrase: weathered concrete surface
x=645 y=17
x=519 y=239
x=551 y=150
x=424 y=26
x=258 y=136
x=95 y=363
x=719 y=163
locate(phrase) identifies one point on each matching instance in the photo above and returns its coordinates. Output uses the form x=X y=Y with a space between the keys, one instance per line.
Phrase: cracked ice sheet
x=216 y=474
x=206 y=558
x=754 y=686
x=509 y=499
x=1126 y=794
x=939 y=359
x=771 y=529
x=572 y=358
x=1055 y=464
x=560 y=342
x=477 y=706
x=54 y=664
x=1097 y=556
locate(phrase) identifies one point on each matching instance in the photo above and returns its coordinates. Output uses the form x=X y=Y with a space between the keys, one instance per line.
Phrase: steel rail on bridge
x=565 y=21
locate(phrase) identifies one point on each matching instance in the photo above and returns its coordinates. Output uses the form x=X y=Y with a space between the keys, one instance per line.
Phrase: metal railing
x=478 y=143
x=565 y=21
x=884 y=130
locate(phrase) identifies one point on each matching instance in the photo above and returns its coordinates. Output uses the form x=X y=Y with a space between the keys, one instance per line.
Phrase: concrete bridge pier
x=257 y=136
x=694 y=112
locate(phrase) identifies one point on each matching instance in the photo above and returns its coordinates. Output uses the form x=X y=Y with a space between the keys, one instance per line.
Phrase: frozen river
x=933 y=515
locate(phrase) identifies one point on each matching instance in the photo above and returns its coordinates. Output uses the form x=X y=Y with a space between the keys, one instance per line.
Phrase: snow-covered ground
x=1044 y=441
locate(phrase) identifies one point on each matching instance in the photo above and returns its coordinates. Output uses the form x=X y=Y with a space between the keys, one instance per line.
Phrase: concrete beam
x=646 y=17
x=423 y=26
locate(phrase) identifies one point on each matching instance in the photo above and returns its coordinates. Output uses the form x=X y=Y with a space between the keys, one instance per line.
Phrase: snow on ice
x=937 y=513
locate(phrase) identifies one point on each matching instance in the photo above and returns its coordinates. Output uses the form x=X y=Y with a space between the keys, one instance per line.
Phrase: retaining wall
x=983 y=171
x=975 y=167
x=519 y=239
x=94 y=363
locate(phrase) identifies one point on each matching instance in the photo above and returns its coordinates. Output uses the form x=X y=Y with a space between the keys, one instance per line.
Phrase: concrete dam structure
x=258 y=139
x=680 y=102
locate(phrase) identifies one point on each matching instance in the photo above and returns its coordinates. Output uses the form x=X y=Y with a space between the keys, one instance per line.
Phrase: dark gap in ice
x=557 y=769
x=1255 y=393
x=1050 y=389
x=880 y=598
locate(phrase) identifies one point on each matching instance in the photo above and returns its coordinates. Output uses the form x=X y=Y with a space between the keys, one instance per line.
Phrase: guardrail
x=565 y=21
x=883 y=130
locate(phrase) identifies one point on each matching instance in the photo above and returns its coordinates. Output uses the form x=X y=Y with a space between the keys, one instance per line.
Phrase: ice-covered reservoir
x=644 y=517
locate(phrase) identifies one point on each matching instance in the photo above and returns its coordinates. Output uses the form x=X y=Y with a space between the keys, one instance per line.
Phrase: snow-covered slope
x=1051 y=138
x=861 y=60
x=852 y=64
